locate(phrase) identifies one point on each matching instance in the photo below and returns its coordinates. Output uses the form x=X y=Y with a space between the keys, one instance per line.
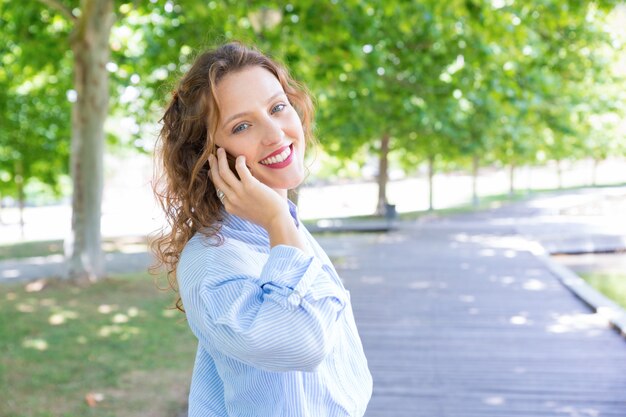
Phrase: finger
x=216 y=177
x=227 y=175
x=242 y=169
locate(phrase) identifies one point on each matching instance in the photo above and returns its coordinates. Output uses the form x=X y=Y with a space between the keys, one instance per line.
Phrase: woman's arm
x=283 y=231
x=284 y=320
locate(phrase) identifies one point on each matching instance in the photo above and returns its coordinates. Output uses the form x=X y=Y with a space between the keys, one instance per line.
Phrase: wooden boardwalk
x=459 y=319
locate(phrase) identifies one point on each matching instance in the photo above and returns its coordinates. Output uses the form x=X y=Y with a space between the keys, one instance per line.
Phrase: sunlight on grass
x=612 y=286
x=115 y=348
x=38 y=344
x=55 y=247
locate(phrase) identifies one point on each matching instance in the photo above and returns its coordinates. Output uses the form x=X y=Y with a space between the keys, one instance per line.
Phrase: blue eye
x=240 y=128
x=278 y=107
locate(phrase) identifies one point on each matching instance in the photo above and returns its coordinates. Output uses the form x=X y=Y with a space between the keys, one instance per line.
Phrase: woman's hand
x=254 y=201
x=248 y=198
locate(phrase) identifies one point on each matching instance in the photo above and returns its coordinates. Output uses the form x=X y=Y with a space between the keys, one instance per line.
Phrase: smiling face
x=257 y=121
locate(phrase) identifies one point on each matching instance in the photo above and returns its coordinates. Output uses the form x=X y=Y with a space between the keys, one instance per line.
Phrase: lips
x=277 y=156
x=279 y=159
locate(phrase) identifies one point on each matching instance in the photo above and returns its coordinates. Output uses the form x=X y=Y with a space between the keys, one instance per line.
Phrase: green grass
x=496 y=200
x=612 y=286
x=485 y=203
x=117 y=338
x=28 y=249
x=54 y=247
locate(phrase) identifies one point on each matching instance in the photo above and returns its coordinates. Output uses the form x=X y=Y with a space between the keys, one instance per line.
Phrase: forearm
x=283 y=231
x=284 y=319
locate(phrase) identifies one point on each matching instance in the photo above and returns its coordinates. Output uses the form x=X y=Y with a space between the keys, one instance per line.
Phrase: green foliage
x=35 y=113
x=510 y=82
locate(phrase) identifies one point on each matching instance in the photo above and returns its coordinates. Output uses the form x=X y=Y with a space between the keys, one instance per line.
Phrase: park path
x=459 y=317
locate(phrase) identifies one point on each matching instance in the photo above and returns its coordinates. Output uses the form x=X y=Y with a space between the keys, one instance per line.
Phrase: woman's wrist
x=282 y=231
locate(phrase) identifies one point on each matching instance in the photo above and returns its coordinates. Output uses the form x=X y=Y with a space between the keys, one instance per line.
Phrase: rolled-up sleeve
x=283 y=320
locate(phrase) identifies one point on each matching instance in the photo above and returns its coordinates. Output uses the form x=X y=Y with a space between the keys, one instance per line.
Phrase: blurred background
x=413 y=100
x=421 y=107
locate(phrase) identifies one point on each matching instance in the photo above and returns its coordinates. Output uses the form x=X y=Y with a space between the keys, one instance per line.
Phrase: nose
x=272 y=132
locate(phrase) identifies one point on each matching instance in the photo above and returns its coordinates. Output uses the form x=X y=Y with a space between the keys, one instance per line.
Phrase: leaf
x=93 y=398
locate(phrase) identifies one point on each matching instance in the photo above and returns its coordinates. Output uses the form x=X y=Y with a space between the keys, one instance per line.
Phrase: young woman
x=276 y=333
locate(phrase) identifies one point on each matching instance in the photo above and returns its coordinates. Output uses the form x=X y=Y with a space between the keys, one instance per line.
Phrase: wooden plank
x=460 y=322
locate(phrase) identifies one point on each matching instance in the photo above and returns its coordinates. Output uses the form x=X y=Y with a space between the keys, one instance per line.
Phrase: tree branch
x=56 y=4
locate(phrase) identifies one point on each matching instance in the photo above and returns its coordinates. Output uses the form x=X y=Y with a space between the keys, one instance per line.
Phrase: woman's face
x=258 y=121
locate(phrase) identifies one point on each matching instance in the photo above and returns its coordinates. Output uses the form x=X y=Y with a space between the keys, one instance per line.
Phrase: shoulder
x=217 y=257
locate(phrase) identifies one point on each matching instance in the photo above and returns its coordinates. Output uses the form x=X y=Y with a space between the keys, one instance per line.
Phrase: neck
x=281 y=192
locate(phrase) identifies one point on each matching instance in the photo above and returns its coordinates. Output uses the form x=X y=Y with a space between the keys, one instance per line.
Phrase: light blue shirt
x=275 y=328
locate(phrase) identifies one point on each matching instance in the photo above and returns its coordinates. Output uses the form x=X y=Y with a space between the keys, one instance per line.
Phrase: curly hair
x=182 y=185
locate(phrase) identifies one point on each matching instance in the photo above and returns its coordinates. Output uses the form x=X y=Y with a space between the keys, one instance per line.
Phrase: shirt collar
x=293 y=210
x=237 y=222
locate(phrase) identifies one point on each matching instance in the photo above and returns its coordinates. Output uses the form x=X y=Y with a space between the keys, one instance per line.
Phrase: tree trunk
x=19 y=183
x=383 y=175
x=594 y=172
x=559 y=174
x=431 y=175
x=475 y=163
x=90 y=44
x=511 y=180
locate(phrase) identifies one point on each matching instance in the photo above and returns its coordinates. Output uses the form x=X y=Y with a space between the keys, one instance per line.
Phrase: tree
x=33 y=105
x=89 y=42
x=77 y=38
x=429 y=81
x=46 y=44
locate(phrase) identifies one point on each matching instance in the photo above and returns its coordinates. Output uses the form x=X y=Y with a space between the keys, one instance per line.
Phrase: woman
x=276 y=333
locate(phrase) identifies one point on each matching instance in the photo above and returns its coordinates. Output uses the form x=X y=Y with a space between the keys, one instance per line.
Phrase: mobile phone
x=231 y=164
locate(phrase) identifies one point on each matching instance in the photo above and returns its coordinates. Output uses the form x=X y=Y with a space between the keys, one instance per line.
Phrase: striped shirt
x=275 y=328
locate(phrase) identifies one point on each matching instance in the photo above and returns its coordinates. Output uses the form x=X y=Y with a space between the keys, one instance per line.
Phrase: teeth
x=278 y=158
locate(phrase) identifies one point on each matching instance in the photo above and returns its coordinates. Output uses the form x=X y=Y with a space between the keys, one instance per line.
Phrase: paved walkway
x=462 y=316
x=462 y=319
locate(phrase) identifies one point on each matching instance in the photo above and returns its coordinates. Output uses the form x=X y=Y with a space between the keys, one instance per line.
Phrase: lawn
x=484 y=203
x=612 y=286
x=55 y=247
x=115 y=348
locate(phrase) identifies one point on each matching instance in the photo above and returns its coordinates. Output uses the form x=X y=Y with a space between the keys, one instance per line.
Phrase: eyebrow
x=235 y=116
